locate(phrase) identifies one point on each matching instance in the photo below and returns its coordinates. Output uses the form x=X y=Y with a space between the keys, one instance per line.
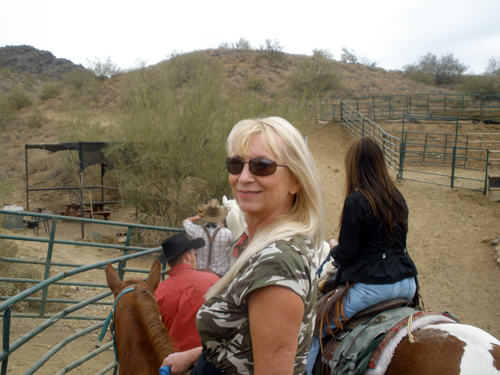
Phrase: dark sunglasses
x=257 y=166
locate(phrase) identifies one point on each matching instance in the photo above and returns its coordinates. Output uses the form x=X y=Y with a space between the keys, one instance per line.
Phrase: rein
x=111 y=318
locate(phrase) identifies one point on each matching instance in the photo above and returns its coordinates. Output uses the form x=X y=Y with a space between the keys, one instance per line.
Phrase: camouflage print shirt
x=223 y=321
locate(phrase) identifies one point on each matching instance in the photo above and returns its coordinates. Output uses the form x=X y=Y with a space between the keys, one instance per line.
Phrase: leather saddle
x=332 y=342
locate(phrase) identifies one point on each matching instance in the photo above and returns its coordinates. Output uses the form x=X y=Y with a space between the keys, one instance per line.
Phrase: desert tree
x=349 y=57
x=103 y=69
x=493 y=68
x=352 y=57
x=241 y=44
x=322 y=54
x=271 y=50
x=429 y=69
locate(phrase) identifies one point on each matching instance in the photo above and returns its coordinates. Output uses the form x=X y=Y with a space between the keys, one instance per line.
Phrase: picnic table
x=74 y=209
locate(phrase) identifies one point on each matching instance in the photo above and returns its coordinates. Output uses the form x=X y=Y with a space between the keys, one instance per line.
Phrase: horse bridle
x=111 y=317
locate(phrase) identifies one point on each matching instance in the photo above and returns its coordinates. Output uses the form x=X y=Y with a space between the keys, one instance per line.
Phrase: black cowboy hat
x=177 y=245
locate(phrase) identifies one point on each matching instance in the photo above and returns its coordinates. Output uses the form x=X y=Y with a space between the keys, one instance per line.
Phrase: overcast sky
x=392 y=33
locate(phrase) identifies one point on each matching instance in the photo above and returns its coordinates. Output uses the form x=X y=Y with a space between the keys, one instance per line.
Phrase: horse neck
x=142 y=341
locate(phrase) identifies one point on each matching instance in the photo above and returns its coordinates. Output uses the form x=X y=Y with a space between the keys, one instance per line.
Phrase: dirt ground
x=450 y=235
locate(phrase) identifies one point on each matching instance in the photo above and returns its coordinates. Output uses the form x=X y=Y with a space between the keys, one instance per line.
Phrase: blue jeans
x=362 y=296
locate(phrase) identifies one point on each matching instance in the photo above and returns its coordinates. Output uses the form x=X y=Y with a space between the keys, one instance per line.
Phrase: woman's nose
x=246 y=175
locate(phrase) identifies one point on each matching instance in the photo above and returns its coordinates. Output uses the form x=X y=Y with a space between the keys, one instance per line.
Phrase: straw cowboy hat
x=212 y=212
x=177 y=245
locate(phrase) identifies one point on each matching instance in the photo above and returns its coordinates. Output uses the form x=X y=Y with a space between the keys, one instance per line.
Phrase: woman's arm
x=275 y=316
x=180 y=362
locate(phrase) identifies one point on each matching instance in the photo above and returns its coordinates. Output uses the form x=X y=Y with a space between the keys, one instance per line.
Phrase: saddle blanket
x=382 y=355
x=369 y=347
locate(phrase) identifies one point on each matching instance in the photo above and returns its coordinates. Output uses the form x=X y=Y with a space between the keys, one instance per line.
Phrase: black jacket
x=364 y=252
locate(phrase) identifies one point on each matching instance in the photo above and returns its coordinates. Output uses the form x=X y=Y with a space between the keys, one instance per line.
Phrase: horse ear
x=154 y=275
x=114 y=282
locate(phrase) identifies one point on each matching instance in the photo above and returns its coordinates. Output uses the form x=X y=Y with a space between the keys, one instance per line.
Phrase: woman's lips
x=248 y=194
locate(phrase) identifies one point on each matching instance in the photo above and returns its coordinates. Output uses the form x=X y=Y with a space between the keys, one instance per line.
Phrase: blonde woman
x=258 y=319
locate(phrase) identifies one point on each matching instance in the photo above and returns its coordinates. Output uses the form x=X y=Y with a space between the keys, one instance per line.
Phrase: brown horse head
x=141 y=339
x=116 y=285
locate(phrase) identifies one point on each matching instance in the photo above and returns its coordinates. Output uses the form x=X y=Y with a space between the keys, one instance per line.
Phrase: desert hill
x=44 y=99
x=29 y=60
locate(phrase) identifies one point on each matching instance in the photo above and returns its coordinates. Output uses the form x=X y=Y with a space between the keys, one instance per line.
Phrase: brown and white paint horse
x=141 y=339
x=448 y=349
x=444 y=349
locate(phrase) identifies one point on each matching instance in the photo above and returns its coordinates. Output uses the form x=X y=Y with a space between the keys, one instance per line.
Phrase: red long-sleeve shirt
x=179 y=298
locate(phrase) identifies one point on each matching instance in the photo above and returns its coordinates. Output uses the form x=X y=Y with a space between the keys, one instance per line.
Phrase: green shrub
x=322 y=54
x=6 y=73
x=35 y=119
x=480 y=85
x=7 y=113
x=18 y=100
x=81 y=128
x=50 y=90
x=418 y=75
x=314 y=78
x=78 y=79
x=255 y=83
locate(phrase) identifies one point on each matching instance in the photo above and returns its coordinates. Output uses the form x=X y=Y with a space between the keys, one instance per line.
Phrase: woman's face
x=263 y=198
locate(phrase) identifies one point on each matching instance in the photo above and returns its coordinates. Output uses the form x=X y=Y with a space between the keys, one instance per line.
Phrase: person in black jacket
x=371 y=251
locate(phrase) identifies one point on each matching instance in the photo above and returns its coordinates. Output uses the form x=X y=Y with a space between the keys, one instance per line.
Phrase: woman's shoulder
x=296 y=251
x=298 y=244
x=356 y=198
x=357 y=195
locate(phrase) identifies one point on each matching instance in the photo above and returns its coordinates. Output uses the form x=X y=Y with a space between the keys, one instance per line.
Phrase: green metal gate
x=76 y=310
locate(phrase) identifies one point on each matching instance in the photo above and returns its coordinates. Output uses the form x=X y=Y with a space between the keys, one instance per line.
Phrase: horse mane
x=148 y=315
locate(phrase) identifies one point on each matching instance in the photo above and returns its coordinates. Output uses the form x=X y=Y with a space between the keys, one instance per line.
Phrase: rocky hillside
x=27 y=59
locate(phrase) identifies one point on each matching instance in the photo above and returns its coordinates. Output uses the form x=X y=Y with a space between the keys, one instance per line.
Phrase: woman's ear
x=296 y=186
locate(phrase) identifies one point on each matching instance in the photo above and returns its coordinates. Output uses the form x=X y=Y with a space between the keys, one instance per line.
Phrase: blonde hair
x=305 y=218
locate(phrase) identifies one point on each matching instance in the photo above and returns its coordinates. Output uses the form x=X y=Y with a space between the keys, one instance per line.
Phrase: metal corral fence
x=359 y=126
x=52 y=310
x=394 y=107
x=465 y=107
x=379 y=108
x=436 y=158
x=328 y=109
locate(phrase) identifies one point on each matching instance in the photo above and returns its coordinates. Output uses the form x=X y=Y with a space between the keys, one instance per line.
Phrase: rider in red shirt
x=180 y=296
